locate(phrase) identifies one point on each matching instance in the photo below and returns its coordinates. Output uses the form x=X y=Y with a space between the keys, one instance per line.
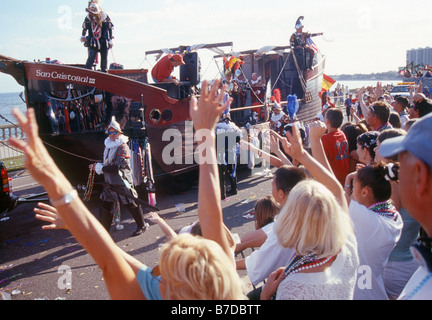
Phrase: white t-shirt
x=335 y=283
x=267 y=259
x=268 y=228
x=376 y=238
x=404 y=118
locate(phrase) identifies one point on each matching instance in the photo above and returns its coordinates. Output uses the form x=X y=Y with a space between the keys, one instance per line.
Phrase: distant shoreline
x=17 y=93
x=372 y=78
x=380 y=76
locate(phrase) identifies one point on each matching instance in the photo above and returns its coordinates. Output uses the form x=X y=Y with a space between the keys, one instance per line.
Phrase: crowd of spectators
x=349 y=216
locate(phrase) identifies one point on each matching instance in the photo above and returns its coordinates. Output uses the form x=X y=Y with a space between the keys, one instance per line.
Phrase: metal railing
x=13 y=159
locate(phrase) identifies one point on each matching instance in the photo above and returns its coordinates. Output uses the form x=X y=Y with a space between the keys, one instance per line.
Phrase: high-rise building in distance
x=421 y=56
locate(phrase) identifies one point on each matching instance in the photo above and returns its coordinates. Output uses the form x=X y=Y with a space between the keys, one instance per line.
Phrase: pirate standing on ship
x=99 y=27
x=300 y=39
x=117 y=173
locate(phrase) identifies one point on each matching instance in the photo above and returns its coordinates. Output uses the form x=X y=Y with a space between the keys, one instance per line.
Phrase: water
x=358 y=84
x=8 y=101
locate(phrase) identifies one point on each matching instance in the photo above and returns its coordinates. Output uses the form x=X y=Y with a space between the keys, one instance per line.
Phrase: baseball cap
x=418 y=141
x=178 y=58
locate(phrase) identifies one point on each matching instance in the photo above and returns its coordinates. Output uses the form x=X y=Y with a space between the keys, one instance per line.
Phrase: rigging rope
x=308 y=95
x=70 y=153
x=282 y=70
x=8 y=146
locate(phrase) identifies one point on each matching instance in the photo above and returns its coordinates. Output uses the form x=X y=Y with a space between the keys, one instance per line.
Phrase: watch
x=66 y=199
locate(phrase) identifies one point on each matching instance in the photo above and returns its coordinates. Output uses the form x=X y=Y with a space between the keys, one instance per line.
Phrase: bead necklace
x=89 y=187
x=302 y=263
x=385 y=209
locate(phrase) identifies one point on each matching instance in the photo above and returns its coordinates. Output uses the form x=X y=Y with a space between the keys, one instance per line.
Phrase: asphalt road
x=34 y=262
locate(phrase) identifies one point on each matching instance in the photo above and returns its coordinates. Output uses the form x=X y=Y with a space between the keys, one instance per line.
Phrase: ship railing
x=12 y=158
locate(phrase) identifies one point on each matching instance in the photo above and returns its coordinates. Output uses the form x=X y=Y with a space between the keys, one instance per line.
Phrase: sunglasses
x=113 y=133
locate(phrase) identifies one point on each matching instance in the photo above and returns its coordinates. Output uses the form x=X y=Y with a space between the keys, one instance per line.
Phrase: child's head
x=265 y=211
x=334 y=118
x=373 y=183
x=284 y=180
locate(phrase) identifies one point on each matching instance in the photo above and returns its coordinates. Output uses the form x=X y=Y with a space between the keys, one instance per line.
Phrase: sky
x=360 y=36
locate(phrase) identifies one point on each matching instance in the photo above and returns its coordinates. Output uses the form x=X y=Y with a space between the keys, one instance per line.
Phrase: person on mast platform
x=300 y=39
x=99 y=27
x=163 y=69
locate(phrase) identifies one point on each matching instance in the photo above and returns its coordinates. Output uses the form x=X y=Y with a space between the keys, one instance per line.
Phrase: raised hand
x=49 y=214
x=206 y=111
x=37 y=159
x=318 y=129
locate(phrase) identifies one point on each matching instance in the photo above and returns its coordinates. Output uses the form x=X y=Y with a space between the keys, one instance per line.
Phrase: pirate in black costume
x=118 y=176
x=99 y=28
x=299 y=40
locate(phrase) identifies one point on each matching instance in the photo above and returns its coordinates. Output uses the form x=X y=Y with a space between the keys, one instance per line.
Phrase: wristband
x=66 y=199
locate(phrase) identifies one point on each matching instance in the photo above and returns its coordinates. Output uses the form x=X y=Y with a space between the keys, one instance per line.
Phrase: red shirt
x=337 y=152
x=163 y=69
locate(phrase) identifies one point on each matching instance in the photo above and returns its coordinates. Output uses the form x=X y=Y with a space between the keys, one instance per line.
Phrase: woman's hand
x=274 y=144
x=37 y=159
x=292 y=144
x=154 y=217
x=273 y=281
x=206 y=111
x=49 y=214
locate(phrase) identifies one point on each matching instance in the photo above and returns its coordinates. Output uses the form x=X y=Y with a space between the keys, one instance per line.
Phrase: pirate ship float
x=74 y=105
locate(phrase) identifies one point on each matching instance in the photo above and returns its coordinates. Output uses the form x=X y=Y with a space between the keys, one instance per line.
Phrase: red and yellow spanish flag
x=328 y=82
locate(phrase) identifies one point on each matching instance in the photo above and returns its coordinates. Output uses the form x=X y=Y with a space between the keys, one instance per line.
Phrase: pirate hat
x=299 y=23
x=93 y=8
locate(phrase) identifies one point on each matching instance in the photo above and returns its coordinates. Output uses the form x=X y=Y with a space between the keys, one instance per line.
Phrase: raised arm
x=363 y=107
x=119 y=276
x=317 y=130
x=205 y=114
x=47 y=213
x=166 y=229
x=275 y=148
x=274 y=161
x=294 y=148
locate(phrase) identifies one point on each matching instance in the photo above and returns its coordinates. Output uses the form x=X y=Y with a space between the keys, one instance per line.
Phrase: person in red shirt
x=336 y=144
x=163 y=69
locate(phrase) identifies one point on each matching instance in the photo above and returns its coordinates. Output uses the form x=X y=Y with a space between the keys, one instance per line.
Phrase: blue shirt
x=348 y=103
x=149 y=284
x=410 y=233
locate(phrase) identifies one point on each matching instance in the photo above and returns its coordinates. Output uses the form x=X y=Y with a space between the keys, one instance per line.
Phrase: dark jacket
x=94 y=40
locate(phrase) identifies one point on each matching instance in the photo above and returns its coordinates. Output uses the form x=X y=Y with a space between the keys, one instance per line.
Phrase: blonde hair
x=194 y=268
x=312 y=221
